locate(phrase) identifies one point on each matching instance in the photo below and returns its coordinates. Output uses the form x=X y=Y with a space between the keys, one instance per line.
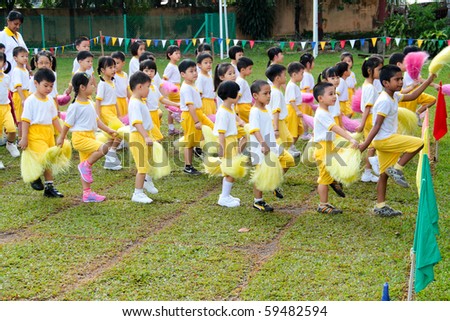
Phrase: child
x=20 y=83
x=343 y=72
x=106 y=107
x=136 y=48
x=262 y=138
x=275 y=55
x=156 y=80
x=39 y=115
x=82 y=121
x=85 y=61
x=44 y=59
x=81 y=44
x=205 y=83
x=394 y=150
x=331 y=75
x=235 y=53
x=245 y=67
x=370 y=71
x=172 y=75
x=324 y=127
x=306 y=86
x=351 y=80
x=121 y=83
x=6 y=118
x=192 y=117
x=204 y=47
x=140 y=135
x=225 y=128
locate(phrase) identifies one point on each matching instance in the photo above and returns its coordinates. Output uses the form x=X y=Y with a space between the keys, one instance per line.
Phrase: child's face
x=334 y=80
x=2 y=49
x=347 y=73
x=349 y=61
x=297 y=76
x=44 y=87
x=230 y=74
x=43 y=62
x=206 y=65
x=119 y=64
x=21 y=58
x=109 y=71
x=247 y=71
x=282 y=78
x=190 y=74
x=239 y=55
x=86 y=64
x=329 y=96
x=263 y=96
x=149 y=72
x=176 y=56
x=401 y=65
x=85 y=45
x=376 y=72
x=142 y=90
x=90 y=87
x=141 y=50
x=395 y=83
x=278 y=58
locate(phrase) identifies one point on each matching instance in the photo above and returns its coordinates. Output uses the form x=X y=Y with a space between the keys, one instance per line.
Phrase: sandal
x=328 y=209
x=337 y=188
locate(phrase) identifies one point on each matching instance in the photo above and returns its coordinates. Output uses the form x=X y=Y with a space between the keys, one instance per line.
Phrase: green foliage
x=434 y=40
x=256 y=18
x=396 y=25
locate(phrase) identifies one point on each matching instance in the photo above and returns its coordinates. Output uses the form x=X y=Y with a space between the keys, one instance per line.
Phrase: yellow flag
x=149 y=42
x=62 y=49
x=95 y=40
x=374 y=41
x=194 y=41
x=419 y=42
x=228 y=41
x=322 y=44
x=114 y=39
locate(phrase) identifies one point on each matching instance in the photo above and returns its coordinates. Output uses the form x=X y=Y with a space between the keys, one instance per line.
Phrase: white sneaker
x=369 y=177
x=112 y=162
x=293 y=151
x=12 y=149
x=375 y=165
x=228 y=202
x=1 y=165
x=236 y=199
x=121 y=145
x=306 y=136
x=150 y=187
x=141 y=198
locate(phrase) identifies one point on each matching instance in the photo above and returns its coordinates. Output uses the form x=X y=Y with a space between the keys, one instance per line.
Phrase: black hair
x=345 y=55
x=294 y=67
x=396 y=58
x=135 y=46
x=15 y=15
x=84 y=55
x=341 y=68
x=78 y=79
x=319 y=89
x=257 y=85
x=118 y=55
x=79 y=40
x=228 y=89
x=306 y=58
x=44 y=75
x=2 y=46
x=379 y=57
x=203 y=56
x=6 y=62
x=43 y=53
x=19 y=50
x=203 y=47
x=104 y=62
x=387 y=72
x=147 y=55
x=185 y=64
x=274 y=70
x=171 y=49
x=409 y=49
x=233 y=51
x=220 y=71
x=272 y=52
x=244 y=62
x=370 y=63
x=326 y=73
x=148 y=64
x=138 y=78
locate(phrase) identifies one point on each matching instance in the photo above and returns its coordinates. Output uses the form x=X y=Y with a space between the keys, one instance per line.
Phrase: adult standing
x=10 y=35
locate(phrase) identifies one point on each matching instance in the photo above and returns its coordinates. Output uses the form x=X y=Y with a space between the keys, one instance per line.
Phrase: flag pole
x=411 y=274
x=436 y=152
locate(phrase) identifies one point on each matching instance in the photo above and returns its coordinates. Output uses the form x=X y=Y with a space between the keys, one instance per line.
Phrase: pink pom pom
x=350 y=124
x=307 y=98
x=169 y=87
x=212 y=117
x=173 y=109
x=356 y=101
x=309 y=120
x=125 y=120
x=62 y=115
x=63 y=99
x=414 y=62
x=314 y=106
x=446 y=89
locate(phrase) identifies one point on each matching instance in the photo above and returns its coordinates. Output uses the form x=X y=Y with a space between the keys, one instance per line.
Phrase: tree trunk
x=298 y=9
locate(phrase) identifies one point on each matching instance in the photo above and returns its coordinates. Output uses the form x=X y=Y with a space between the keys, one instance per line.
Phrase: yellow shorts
x=241 y=131
x=320 y=154
x=156 y=130
x=17 y=102
x=368 y=127
x=345 y=108
x=85 y=143
x=285 y=136
x=175 y=97
x=122 y=105
x=307 y=109
x=351 y=92
x=40 y=138
x=423 y=99
x=141 y=152
x=209 y=106
x=6 y=119
x=108 y=113
x=390 y=149
x=243 y=111
x=294 y=123
x=286 y=160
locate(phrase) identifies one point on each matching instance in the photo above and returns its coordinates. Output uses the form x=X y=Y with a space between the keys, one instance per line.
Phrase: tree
x=256 y=17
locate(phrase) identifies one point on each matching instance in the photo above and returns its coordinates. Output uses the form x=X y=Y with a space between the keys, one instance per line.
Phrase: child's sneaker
x=150 y=187
x=386 y=211
x=236 y=199
x=1 y=165
x=419 y=120
x=293 y=151
x=198 y=152
x=328 y=209
x=277 y=193
x=12 y=149
x=191 y=170
x=37 y=185
x=375 y=165
x=228 y=202
x=112 y=161
x=337 y=188
x=398 y=176
x=306 y=136
x=86 y=172
x=141 y=198
x=262 y=206
x=369 y=177
x=174 y=132
x=93 y=197
x=51 y=191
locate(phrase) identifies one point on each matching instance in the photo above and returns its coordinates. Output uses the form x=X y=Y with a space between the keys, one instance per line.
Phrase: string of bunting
x=118 y=41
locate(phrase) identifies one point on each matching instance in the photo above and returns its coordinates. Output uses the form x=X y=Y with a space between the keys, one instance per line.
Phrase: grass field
x=185 y=247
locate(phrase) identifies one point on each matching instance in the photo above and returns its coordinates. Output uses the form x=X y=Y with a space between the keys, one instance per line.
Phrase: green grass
x=184 y=247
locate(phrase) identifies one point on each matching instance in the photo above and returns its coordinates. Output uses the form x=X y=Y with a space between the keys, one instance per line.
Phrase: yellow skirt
x=85 y=143
x=156 y=130
x=17 y=102
x=345 y=108
x=141 y=152
x=175 y=97
x=243 y=111
x=122 y=105
x=209 y=106
x=285 y=136
x=6 y=119
x=231 y=147
x=108 y=113
x=320 y=154
x=40 y=138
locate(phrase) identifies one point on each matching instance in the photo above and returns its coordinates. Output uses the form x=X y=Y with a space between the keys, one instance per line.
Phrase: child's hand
x=198 y=125
x=242 y=123
x=359 y=129
x=363 y=146
x=112 y=133
x=277 y=134
x=354 y=143
x=299 y=114
x=60 y=141
x=265 y=148
x=148 y=141
x=23 y=144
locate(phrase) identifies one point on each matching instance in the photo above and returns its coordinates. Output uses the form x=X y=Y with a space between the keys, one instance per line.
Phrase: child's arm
x=62 y=136
x=192 y=111
x=416 y=93
x=20 y=92
x=374 y=131
x=117 y=111
x=57 y=125
x=167 y=102
x=105 y=128
x=24 y=140
x=264 y=147
x=240 y=121
x=97 y=107
x=365 y=114
x=140 y=128
x=341 y=132
x=276 y=120
x=221 y=144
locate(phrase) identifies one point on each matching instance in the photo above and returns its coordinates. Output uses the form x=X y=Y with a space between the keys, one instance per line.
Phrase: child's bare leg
x=406 y=157
x=381 y=188
x=323 y=193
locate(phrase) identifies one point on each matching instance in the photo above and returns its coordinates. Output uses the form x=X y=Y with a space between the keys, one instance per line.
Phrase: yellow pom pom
x=307 y=157
x=212 y=165
x=31 y=166
x=407 y=122
x=211 y=142
x=124 y=132
x=115 y=124
x=269 y=175
x=438 y=62
x=235 y=167
x=67 y=149
x=57 y=159
x=247 y=131
x=179 y=144
x=345 y=166
x=160 y=165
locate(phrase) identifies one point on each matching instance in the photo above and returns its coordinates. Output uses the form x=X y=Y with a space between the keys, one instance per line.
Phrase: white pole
x=226 y=24
x=411 y=275
x=221 y=28
x=316 y=27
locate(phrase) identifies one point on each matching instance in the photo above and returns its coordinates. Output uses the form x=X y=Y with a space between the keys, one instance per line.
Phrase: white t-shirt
x=407 y=80
x=307 y=83
x=205 y=86
x=121 y=84
x=277 y=103
x=153 y=98
x=76 y=68
x=368 y=97
x=138 y=114
x=225 y=122
x=244 y=91
x=106 y=93
x=20 y=78
x=293 y=94
x=4 y=87
x=38 y=111
x=156 y=81
x=378 y=86
x=351 y=80
x=189 y=95
x=54 y=93
x=387 y=106
x=323 y=122
x=11 y=41
x=81 y=116
x=335 y=110
x=134 y=66
x=342 y=90
x=172 y=74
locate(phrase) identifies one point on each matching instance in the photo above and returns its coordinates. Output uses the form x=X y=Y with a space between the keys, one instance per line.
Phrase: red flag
x=252 y=43
x=440 y=120
x=388 y=40
x=343 y=43
x=291 y=44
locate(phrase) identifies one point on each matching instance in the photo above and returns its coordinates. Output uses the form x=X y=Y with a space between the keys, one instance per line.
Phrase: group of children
x=223 y=101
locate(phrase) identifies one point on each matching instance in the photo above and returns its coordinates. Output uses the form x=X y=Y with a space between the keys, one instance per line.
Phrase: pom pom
x=212 y=165
x=167 y=87
x=212 y=117
x=173 y=109
x=62 y=115
x=125 y=120
x=58 y=159
x=407 y=122
x=446 y=89
x=269 y=175
x=345 y=166
x=235 y=167
x=414 y=62
x=356 y=101
x=124 y=132
x=115 y=124
x=179 y=145
x=31 y=166
x=307 y=157
x=307 y=98
x=314 y=106
x=211 y=142
x=309 y=120
x=160 y=162
x=101 y=137
x=63 y=100
x=438 y=62
x=350 y=124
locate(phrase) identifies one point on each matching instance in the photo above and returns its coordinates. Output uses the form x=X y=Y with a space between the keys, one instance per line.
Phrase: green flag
x=425 y=244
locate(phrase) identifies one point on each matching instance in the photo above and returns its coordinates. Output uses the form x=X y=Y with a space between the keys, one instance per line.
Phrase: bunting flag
x=213 y=40
x=374 y=41
x=448 y=42
x=36 y=50
x=227 y=41
x=171 y=42
x=163 y=42
x=352 y=43
x=127 y=42
x=419 y=42
x=149 y=42
x=244 y=42
x=235 y=42
x=133 y=40
x=208 y=40
x=114 y=40
x=178 y=42
x=388 y=40
x=156 y=41
x=252 y=43
x=333 y=44
x=291 y=44
x=62 y=49
x=120 y=41
x=201 y=40
x=322 y=44
x=220 y=40
x=410 y=41
x=361 y=41
x=95 y=40
x=440 y=43
x=107 y=39
x=52 y=50
x=282 y=45
x=342 y=43
x=397 y=41
x=186 y=41
x=303 y=43
x=313 y=44
x=194 y=41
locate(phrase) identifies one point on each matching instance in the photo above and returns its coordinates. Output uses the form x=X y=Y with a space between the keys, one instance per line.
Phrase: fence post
x=43 y=31
x=90 y=26
x=206 y=26
x=161 y=26
x=125 y=30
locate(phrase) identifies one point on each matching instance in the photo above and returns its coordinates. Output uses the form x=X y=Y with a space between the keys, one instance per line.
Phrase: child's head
x=203 y=47
x=82 y=82
x=173 y=53
x=260 y=90
x=43 y=59
x=119 y=58
x=20 y=55
x=307 y=60
x=83 y=44
x=137 y=48
x=4 y=62
x=228 y=89
x=188 y=70
x=85 y=59
x=409 y=49
x=245 y=66
x=224 y=71
x=329 y=75
x=276 y=74
x=106 y=66
x=236 y=52
x=324 y=93
x=147 y=55
x=2 y=47
x=275 y=55
x=43 y=80
x=139 y=84
x=149 y=67
x=343 y=69
x=204 y=62
x=295 y=71
x=348 y=58
x=371 y=67
x=396 y=59
x=391 y=77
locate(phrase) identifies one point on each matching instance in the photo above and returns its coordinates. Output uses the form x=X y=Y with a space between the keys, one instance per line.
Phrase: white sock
x=148 y=178
x=138 y=190
x=367 y=170
x=112 y=150
x=257 y=199
x=171 y=126
x=226 y=188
